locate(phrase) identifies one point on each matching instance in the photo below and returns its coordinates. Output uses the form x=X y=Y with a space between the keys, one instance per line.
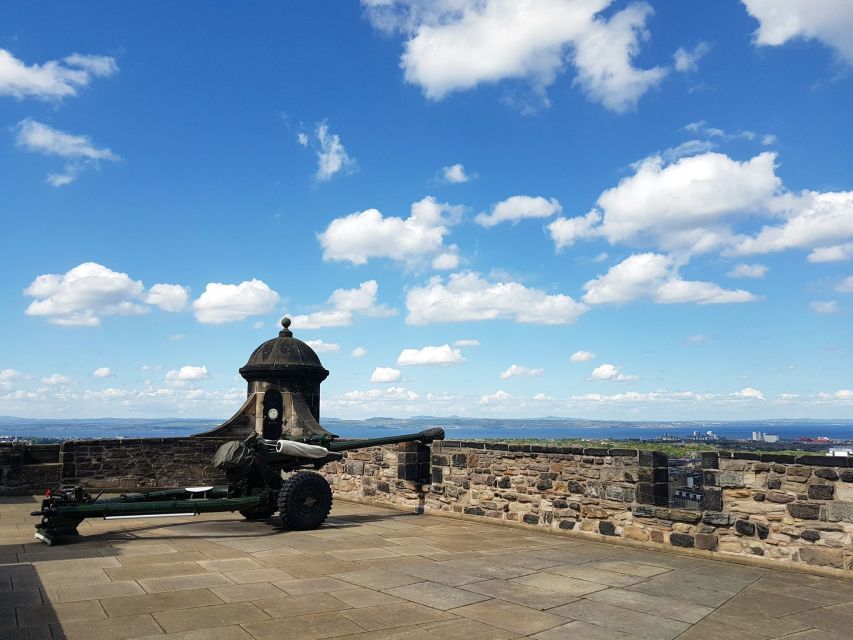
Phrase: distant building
x=840 y=452
x=769 y=437
x=760 y=436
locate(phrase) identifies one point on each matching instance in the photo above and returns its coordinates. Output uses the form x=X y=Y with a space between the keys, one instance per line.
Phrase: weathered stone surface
x=745 y=528
x=606 y=528
x=804 y=510
x=837 y=511
x=762 y=530
x=822 y=556
x=779 y=497
x=821 y=491
x=731 y=479
x=706 y=541
x=717 y=519
x=811 y=535
x=774 y=483
x=846 y=476
x=682 y=515
x=826 y=474
x=680 y=540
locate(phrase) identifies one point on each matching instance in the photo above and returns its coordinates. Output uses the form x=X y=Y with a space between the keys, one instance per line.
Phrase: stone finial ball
x=285 y=322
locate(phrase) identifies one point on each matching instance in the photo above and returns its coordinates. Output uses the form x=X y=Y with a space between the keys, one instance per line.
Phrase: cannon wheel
x=304 y=501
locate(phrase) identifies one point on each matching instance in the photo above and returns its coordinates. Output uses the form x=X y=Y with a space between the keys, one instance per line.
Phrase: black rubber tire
x=262 y=513
x=304 y=501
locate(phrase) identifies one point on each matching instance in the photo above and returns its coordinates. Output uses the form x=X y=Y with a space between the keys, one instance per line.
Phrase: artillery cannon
x=265 y=476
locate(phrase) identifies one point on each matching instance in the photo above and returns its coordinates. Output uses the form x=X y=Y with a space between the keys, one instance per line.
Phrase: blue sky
x=584 y=208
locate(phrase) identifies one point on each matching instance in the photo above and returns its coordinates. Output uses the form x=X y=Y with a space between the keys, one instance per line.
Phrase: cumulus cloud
x=302 y=139
x=53 y=80
x=748 y=271
x=543 y=397
x=611 y=373
x=565 y=231
x=517 y=208
x=834 y=253
x=7 y=375
x=323 y=347
x=655 y=277
x=221 y=303
x=454 y=45
x=749 y=393
x=582 y=356
x=455 y=174
x=187 y=373
x=447 y=260
x=518 y=371
x=359 y=352
x=332 y=157
x=169 y=297
x=385 y=374
x=444 y=354
x=78 y=150
x=343 y=305
x=497 y=397
x=468 y=297
x=829 y=21
x=687 y=59
x=82 y=295
x=825 y=307
x=55 y=379
x=373 y=395
x=102 y=372
x=368 y=234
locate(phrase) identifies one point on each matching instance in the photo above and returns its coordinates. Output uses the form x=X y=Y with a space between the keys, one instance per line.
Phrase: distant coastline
x=548 y=428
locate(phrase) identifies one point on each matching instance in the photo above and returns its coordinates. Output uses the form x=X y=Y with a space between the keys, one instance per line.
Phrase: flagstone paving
x=378 y=574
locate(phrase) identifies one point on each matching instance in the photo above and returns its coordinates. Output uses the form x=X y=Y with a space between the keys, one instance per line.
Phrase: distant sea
x=455 y=427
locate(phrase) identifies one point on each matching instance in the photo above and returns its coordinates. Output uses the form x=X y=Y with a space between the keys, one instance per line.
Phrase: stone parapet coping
x=754 y=561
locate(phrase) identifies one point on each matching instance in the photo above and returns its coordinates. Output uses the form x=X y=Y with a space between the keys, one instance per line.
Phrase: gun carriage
x=273 y=469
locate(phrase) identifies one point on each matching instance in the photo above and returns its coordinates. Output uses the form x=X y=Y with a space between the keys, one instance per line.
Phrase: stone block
x=838 y=511
x=810 y=534
x=826 y=473
x=653 y=474
x=643 y=511
x=821 y=491
x=822 y=556
x=476 y=511
x=846 y=476
x=706 y=541
x=712 y=500
x=619 y=494
x=823 y=461
x=652 y=459
x=633 y=532
x=762 y=530
x=710 y=477
x=777 y=457
x=746 y=455
x=745 y=528
x=681 y=540
x=778 y=497
x=459 y=460
x=656 y=493
x=530 y=518
x=576 y=487
x=710 y=460
x=774 y=483
x=606 y=528
x=683 y=515
x=731 y=479
x=804 y=510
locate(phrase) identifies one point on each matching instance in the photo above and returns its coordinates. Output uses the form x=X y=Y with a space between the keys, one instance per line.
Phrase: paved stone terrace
x=377 y=574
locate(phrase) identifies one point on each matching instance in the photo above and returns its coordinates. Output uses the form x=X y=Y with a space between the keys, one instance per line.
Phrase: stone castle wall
x=759 y=506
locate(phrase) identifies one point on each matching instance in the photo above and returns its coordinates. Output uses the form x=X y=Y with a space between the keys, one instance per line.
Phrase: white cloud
x=813 y=220
x=447 y=260
x=343 y=305
x=825 y=307
x=385 y=374
x=696 y=339
x=455 y=174
x=518 y=208
x=302 y=139
x=359 y=352
x=701 y=127
x=84 y=294
x=332 y=157
x=444 y=354
x=748 y=271
x=7 y=375
x=829 y=21
x=846 y=285
x=611 y=373
x=323 y=347
x=368 y=234
x=748 y=393
x=373 y=395
x=454 y=45
x=151 y=367
x=221 y=303
x=468 y=297
x=102 y=372
x=687 y=59
x=519 y=371
x=466 y=343
x=169 y=297
x=497 y=397
x=55 y=379
x=834 y=253
x=54 y=79
x=543 y=397
x=582 y=356
x=654 y=276
x=187 y=373
x=565 y=231
x=680 y=206
x=77 y=149
x=688 y=148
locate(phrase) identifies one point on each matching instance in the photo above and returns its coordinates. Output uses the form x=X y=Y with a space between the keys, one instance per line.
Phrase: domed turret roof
x=285 y=355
